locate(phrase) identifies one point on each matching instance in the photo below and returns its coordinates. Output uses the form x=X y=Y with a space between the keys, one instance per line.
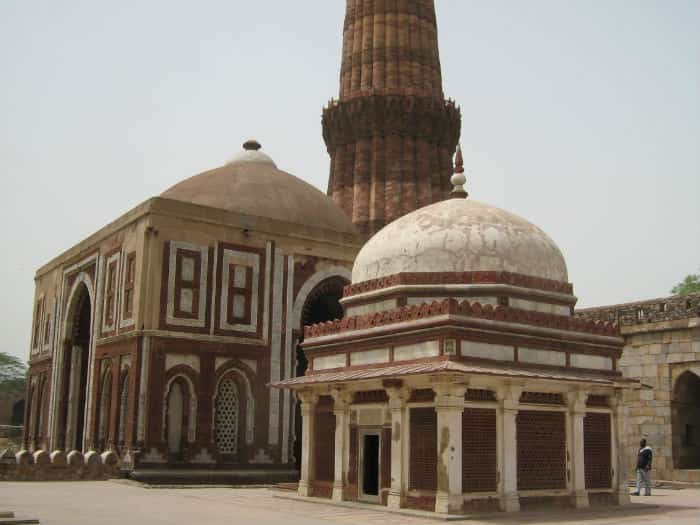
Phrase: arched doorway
x=322 y=304
x=74 y=372
x=180 y=416
x=18 y=413
x=685 y=421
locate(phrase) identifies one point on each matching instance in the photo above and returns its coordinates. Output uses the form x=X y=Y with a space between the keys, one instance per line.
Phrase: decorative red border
x=465 y=308
x=224 y=295
x=441 y=278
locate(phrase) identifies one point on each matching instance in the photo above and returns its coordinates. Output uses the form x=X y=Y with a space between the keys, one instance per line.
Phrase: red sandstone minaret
x=391 y=135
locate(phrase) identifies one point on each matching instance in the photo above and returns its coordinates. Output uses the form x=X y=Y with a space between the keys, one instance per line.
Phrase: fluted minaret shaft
x=391 y=135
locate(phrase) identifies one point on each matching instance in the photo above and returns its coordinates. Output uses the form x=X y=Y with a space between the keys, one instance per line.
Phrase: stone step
x=214 y=477
x=17 y=521
x=6 y=514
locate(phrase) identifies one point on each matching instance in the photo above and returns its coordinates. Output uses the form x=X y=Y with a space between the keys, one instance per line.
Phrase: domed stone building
x=458 y=377
x=155 y=337
x=446 y=371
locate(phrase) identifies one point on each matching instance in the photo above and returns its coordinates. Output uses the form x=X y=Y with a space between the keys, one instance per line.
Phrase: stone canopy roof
x=444 y=367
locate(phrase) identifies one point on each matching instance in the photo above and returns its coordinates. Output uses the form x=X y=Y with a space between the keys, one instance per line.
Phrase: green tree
x=12 y=374
x=691 y=284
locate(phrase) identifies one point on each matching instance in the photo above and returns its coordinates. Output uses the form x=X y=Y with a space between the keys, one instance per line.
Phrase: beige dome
x=460 y=235
x=250 y=183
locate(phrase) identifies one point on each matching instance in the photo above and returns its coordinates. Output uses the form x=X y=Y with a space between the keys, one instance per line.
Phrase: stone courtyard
x=115 y=502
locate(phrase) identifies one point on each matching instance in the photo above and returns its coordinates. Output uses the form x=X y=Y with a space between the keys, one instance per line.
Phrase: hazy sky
x=582 y=116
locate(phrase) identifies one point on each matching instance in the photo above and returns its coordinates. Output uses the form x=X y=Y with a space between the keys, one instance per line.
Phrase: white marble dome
x=460 y=235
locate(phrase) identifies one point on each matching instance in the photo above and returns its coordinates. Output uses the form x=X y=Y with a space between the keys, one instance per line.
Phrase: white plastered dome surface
x=460 y=235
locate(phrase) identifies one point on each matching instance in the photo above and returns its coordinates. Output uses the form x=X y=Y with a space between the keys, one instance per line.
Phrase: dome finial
x=252 y=153
x=458 y=179
x=251 y=145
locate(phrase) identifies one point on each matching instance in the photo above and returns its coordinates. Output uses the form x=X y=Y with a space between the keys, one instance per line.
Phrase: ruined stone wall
x=662 y=341
x=658 y=310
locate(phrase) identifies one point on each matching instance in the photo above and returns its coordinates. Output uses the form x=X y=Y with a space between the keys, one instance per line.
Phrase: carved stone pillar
x=308 y=413
x=449 y=405
x=341 y=410
x=619 y=456
x=577 y=411
x=399 y=429
x=509 y=397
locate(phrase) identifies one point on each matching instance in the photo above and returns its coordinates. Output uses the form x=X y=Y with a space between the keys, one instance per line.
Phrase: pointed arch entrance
x=321 y=304
x=73 y=372
x=685 y=421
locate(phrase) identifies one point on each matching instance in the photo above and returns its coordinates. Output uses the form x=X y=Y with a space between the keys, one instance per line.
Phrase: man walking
x=644 y=457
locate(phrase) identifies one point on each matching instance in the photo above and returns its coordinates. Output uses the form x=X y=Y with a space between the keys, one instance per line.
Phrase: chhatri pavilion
x=458 y=378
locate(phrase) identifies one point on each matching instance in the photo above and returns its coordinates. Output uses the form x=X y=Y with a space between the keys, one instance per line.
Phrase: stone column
x=509 y=398
x=619 y=456
x=449 y=405
x=577 y=411
x=308 y=413
x=399 y=428
x=341 y=410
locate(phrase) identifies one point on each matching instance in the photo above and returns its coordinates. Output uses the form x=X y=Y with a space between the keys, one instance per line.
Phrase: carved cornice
x=464 y=308
x=443 y=278
x=381 y=115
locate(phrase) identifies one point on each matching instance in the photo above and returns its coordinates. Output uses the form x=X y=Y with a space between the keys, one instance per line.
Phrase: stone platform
x=213 y=477
x=119 y=502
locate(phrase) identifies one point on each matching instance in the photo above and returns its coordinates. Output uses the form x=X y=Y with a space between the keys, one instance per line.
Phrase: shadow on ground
x=643 y=510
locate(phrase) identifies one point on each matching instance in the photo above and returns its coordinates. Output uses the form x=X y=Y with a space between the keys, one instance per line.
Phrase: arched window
x=227 y=416
x=123 y=401
x=105 y=409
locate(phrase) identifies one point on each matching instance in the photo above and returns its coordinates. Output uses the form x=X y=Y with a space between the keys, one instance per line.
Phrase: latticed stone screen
x=386 y=457
x=324 y=446
x=352 y=467
x=541 y=450
x=227 y=417
x=473 y=394
x=597 y=451
x=423 y=458
x=479 y=470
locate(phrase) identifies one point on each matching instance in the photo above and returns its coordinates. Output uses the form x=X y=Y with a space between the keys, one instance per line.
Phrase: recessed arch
x=685 y=421
x=186 y=384
x=243 y=375
x=318 y=301
x=104 y=409
x=71 y=395
x=334 y=272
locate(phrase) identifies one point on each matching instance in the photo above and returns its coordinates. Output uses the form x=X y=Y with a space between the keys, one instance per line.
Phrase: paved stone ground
x=112 y=503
